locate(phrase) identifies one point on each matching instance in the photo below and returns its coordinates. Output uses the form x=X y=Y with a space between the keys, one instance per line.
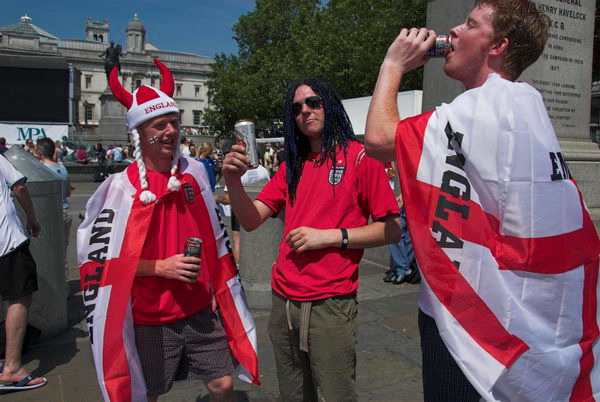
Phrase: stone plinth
x=258 y=252
x=562 y=75
x=112 y=127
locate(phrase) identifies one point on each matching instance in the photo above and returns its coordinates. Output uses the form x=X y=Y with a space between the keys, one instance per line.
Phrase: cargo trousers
x=314 y=343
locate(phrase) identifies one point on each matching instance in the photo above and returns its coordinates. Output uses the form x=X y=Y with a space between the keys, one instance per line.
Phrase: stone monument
x=563 y=76
x=112 y=124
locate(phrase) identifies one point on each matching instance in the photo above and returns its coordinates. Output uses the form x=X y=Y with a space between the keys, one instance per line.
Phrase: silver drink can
x=248 y=140
x=441 y=47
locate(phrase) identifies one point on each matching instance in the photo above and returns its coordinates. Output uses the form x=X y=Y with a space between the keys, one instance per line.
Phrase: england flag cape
x=507 y=249
x=109 y=244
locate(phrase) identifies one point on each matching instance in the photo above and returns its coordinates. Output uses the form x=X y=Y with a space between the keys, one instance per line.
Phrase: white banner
x=18 y=133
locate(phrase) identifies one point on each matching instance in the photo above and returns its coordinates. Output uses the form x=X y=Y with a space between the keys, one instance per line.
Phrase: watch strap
x=344 y=238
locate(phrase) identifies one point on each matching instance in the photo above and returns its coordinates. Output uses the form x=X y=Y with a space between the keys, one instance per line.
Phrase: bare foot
x=16 y=376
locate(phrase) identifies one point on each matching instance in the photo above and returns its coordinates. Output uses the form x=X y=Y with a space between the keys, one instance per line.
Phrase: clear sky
x=202 y=27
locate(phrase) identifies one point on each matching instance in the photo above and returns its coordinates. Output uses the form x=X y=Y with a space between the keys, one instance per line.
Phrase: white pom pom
x=147 y=197
x=173 y=184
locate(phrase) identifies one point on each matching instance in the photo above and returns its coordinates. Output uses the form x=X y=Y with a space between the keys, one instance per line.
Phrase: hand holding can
x=247 y=138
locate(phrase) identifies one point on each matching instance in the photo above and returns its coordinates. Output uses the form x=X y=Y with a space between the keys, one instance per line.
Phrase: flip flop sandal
x=22 y=385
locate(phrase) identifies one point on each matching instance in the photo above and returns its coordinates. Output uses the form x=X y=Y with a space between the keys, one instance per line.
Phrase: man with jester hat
x=151 y=312
x=329 y=190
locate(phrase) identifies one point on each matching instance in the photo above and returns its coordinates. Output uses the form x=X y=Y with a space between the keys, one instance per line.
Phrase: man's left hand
x=305 y=238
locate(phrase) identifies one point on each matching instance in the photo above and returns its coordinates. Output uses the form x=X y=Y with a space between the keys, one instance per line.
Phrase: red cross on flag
x=508 y=251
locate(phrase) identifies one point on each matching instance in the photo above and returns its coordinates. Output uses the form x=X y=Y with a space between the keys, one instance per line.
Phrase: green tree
x=343 y=41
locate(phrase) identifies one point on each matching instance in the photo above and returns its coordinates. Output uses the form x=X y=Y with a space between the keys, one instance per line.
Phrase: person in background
x=81 y=155
x=205 y=157
x=3 y=147
x=59 y=155
x=29 y=147
x=47 y=150
x=109 y=152
x=268 y=158
x=117 y=154
x=100 y=154
x=402 y=256
x=218 y=158
x=184 y=146
x=280 y=156
x=18 y=276
x=192 y=151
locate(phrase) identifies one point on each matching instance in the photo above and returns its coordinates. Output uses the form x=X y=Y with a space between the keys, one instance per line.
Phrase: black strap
x=344 y=238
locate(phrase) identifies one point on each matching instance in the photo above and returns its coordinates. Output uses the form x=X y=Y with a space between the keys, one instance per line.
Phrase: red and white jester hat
x=144 y=104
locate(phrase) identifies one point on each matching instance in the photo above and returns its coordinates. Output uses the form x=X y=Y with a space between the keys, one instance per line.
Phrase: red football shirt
x=327 y=199
x=156 y=300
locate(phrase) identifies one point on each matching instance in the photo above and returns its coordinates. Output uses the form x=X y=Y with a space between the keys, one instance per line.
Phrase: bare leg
x=221 y=389
x=16 y=325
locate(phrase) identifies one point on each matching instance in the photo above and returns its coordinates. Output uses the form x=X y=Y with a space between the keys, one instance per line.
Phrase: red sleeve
x=374 y=191
x=274 y=194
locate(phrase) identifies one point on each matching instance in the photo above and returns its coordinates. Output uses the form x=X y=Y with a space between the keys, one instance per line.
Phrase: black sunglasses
x=313 y=102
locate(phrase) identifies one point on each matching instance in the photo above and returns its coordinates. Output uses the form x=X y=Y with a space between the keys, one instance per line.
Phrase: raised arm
x=250 y=214
x=405 y=54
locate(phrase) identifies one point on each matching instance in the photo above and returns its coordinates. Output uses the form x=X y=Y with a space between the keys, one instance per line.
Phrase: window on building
x=180 y=116
x=197 y=117
x=178 y=90
x=101 y=37
x=89 y=112
x=138 y=83
x=88 y=81
x=96 y=37
x=197 y=91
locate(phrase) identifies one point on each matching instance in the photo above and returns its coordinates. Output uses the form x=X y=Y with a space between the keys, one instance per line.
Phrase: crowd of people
x=507 y=253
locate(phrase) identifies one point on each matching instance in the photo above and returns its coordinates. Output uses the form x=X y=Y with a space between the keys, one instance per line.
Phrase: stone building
x=100 y=115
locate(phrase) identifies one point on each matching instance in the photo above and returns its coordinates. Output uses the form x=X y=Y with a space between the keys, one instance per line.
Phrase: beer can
x=441 y=47
x=248 y=138
x=192 y=247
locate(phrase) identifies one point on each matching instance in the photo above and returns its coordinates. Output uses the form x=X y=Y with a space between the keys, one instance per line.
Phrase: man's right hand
x=178 y=267
x=407 y=52
x=235 y=164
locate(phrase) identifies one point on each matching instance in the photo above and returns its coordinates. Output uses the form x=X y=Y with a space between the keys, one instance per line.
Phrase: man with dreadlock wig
x=148 y=307
x=329 y=190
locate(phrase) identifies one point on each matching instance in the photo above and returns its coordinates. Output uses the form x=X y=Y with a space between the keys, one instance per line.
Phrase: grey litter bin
x=258 y=252
x=49 y=308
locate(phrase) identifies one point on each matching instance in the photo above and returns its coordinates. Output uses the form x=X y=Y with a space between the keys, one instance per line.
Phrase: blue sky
x=195 y=26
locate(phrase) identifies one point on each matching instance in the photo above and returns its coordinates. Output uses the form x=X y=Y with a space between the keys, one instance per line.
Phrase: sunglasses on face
x=313 y=102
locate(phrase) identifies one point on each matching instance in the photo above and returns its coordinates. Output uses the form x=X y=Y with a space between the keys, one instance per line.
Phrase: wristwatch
x=344 y=238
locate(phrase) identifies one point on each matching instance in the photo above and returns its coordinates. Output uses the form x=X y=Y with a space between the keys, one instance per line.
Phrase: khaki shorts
x=194 y=348
x=327 y=371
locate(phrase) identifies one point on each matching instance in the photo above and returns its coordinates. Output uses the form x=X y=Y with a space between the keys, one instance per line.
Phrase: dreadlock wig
x=337 y=131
